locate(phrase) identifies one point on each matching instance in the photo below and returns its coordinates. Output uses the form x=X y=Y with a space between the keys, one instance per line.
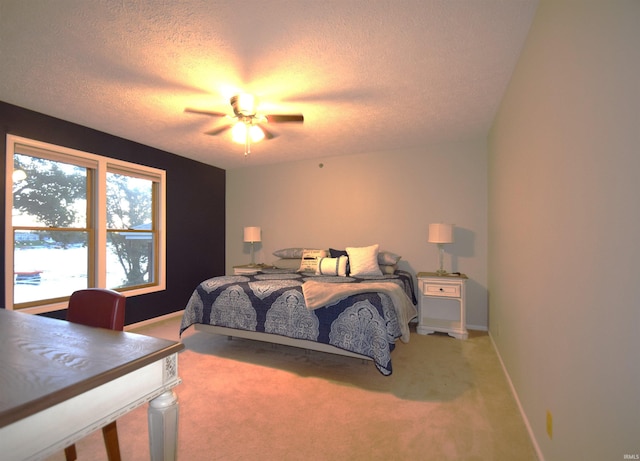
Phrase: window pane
x=48 y=193
x=129 y=202
x=49 y=264
x=130 y=258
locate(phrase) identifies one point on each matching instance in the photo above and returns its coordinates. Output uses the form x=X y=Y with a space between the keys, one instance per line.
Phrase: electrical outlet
x=549 y=424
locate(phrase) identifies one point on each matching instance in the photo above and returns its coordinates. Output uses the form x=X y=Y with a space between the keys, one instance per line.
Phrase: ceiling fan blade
x=219 y=130
x=285 y=118
x=205 y=112
x=267 y=134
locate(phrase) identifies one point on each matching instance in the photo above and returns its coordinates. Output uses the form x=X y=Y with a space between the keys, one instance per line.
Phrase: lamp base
x=253 y=260
x=441 y=271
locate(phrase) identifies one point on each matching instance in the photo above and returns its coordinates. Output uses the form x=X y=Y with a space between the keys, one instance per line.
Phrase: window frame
x=96 y=208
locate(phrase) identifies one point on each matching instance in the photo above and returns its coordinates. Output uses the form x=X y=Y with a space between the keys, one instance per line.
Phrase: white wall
x=564 y=178
x=387 y=198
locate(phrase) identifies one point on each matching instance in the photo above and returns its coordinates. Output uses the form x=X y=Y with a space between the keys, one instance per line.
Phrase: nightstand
x=248 y=269
x=431 y=287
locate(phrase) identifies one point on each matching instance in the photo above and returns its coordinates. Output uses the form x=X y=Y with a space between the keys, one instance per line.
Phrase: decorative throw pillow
x=332 y=266
x=310 y=258
x=364 y=260
x=337 y=253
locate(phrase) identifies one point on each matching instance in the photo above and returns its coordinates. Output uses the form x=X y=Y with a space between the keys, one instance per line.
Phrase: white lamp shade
x=440 y=233
x=252 y=234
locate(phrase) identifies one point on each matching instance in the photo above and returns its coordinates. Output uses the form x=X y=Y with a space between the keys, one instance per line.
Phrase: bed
x=358 y=316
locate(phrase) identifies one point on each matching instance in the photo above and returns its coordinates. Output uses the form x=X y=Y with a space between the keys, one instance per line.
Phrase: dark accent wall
x=195 y=205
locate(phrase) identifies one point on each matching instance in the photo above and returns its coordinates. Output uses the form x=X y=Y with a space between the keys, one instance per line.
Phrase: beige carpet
x=243 y=400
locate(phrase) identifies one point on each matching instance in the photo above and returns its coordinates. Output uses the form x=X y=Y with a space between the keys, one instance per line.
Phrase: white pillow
x=332 y=266
x=309 y=262
x=364 y=260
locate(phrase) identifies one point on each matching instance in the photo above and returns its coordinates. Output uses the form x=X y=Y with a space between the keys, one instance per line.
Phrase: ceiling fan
x=247 y=124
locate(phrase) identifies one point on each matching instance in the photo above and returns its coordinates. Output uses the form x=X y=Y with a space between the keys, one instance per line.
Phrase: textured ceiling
x=368 y=75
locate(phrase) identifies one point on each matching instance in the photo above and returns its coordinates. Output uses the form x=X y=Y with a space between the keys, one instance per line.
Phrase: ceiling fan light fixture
x=256 y=133
x=239 y=133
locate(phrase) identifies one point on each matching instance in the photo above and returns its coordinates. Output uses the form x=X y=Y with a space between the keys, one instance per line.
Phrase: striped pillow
x=332 y=266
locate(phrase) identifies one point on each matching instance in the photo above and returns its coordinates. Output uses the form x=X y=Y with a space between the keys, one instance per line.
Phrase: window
x=77 y=220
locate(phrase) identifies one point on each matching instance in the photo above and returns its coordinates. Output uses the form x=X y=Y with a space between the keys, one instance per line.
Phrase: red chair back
x=97 y=307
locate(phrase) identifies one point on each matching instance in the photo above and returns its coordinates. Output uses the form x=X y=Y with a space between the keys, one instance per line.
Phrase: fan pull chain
x=247 y=141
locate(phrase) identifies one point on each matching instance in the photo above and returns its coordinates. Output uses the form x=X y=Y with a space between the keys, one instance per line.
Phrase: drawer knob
x=441 y=289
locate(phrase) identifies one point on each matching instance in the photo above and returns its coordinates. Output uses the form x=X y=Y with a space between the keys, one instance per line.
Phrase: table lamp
x=441 y=233
x=252 y=235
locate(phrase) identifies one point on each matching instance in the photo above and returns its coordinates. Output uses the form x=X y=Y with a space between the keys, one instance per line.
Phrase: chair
x=97 y=307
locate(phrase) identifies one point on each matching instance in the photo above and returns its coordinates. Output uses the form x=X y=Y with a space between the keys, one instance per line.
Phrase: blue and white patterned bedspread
x=365 y=323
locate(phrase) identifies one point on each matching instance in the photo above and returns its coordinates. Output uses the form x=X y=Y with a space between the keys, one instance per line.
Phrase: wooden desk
x=61 y=381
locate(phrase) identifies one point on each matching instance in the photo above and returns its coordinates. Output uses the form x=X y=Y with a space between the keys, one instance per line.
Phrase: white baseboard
x=515 y=395
x=144 y=323
x=477 y=327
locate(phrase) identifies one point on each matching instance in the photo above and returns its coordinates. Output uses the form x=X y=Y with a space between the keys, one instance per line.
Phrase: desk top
x=45 y=361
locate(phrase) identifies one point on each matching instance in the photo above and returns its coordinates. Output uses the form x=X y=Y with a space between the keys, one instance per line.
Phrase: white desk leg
x=163 y=427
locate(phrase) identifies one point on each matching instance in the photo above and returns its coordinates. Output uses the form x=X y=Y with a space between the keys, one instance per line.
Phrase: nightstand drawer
x=433 y=289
